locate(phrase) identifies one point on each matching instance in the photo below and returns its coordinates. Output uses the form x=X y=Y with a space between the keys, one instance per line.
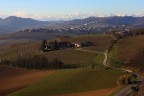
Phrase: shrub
x=124 y=80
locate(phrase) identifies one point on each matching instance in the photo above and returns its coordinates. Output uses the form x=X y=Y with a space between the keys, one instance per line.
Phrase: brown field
x=129 y=47
x=101 y=92
x=12 y=79
x=129 y=52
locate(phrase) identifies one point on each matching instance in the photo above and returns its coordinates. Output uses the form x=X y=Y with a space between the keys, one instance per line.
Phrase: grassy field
x=10 y=52
x=68 y=56
x=70 y=81
x=13 y=79
x=99 y=60
x=113 y=57
x=74 y=57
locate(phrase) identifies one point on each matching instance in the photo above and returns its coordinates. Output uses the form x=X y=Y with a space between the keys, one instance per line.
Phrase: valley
x=71 y=48
x=27 y=70
x=71 y=57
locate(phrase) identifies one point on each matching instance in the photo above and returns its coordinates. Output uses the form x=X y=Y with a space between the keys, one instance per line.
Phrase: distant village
x=125 y=32
x=86 y=28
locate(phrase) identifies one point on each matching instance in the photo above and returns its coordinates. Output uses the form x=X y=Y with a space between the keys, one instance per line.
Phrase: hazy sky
x=68 y=9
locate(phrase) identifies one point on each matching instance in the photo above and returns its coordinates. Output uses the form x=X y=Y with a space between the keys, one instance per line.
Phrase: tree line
x=117 y=37
x=132 y=32
x=29 y=58
x=35 y=62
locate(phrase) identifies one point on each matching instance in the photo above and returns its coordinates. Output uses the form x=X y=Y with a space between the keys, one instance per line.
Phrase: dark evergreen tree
x=43 y=45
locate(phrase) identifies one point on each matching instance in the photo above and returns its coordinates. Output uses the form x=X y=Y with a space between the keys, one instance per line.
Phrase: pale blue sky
x=42 y=9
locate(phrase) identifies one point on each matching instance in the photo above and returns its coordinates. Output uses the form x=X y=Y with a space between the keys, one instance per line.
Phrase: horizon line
x=68 y=19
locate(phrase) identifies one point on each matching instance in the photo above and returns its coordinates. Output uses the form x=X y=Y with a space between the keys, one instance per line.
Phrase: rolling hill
x=71 y=81
x=108 y=21
x=68 y=56
x=12 y=23
x=133 y=52
x=130 y=52
x=63 y=81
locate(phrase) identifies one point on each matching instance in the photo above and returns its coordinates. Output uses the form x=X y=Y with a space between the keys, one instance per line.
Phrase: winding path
x=105 y=59
x=127 y=89
x=105 y=64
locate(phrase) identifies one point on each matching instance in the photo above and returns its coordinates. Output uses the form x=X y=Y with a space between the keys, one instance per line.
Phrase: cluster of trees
x=35 y=62
x=54 y=46
x=132 y=32
x=43 y=45
x=127 y=79
x=29 y=58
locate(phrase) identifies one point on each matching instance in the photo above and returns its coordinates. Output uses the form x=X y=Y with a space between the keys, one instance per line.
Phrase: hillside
x=12 y=24
x=12 y=79
x=68 y=56
x=70 y=81
x=107 y=21
x=62 y=81
x=132 y=53
x=129 y=51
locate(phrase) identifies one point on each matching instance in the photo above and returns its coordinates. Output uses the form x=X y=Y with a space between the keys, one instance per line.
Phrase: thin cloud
x=23 y=14
x=73 y=15
x=120 y=14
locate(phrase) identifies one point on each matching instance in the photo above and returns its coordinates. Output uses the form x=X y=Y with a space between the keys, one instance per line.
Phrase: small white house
x=76 y=45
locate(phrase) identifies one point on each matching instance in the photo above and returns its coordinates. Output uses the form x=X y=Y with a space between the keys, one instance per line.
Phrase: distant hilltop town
x=86 y=28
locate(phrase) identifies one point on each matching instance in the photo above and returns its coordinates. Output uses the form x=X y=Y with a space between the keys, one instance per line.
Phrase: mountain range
x=13 y=24
x=127 y=20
